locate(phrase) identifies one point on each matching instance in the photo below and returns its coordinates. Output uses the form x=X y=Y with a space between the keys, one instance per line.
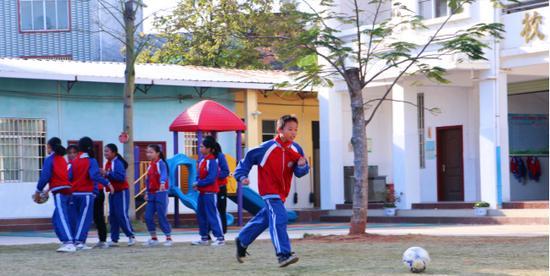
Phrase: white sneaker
x=200 y=242
x=82 y=246
x=112 y=244
x=217 y=243
x=151 y=243
x=66 y=248
x=168 y=243
x=131 y=241
x=101 y=245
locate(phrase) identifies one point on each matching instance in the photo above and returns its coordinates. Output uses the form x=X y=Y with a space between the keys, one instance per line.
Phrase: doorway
x=316 y=189
x=450 y=163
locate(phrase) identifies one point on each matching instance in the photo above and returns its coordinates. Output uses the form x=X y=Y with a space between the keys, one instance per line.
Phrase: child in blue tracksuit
x=119 y=201
x=157 y=196
x=84 y=175
x=55 y=173
x=277 y=160
x=223 y=173
x=207 y=184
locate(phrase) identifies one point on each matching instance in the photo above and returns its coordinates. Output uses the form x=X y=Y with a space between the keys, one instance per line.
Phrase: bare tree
x=127 y=32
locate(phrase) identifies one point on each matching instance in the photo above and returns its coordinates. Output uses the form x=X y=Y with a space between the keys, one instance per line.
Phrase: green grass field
x=333 y=255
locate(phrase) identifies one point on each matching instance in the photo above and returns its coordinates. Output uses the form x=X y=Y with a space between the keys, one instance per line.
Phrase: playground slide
x=189 y=199
x=253 y=203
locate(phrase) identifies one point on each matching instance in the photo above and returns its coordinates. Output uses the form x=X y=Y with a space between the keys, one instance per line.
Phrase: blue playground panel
x=190 y=198
x=252 y=201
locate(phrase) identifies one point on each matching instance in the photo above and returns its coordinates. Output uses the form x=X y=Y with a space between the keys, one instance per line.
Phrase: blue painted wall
x=95 y=109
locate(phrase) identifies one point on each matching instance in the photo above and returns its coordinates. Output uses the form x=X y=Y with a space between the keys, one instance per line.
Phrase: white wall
x=457 y=109
x=17 y=202
x=379 y=130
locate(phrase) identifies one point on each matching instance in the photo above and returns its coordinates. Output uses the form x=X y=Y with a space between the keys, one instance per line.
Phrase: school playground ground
x=325 y=250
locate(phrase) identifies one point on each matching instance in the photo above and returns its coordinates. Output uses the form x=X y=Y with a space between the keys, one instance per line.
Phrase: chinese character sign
x=531 y=24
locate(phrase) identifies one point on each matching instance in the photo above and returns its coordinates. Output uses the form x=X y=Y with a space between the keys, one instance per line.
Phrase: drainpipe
x=496 y=64
x=100 y=35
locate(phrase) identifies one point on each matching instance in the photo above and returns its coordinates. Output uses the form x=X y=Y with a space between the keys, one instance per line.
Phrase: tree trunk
x=129 y=87
x=358 y=222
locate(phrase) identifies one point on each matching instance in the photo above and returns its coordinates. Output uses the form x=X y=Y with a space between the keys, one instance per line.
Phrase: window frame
x=39 y=131
x=69 y=19
x=433 y=10
x=269 y=133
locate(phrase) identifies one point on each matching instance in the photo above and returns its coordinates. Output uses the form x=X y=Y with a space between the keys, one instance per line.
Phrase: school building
x=40 y=99
x=483 y=136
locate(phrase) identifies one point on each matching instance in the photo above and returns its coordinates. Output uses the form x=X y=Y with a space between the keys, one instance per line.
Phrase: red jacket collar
x=209 y=157
x=281 y=143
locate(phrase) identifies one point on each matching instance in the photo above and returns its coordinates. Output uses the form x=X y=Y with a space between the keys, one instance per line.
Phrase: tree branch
x=412 y=59
x=112 y=34
x=434 y=110
x=406 y=68
x=321 y=19
x=141 y=46
x=359 y=43
x=103 y=3
x=364 y=70
x=341 y=71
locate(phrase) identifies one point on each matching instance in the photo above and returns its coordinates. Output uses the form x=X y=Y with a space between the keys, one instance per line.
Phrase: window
x=243 y=140
x=433 y=8
x=269 y=130
x=190 y=144
x=43 y=15
x=190 y=141
x=22 y=149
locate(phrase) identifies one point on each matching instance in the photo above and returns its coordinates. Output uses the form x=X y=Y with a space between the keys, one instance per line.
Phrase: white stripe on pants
x=61 y=214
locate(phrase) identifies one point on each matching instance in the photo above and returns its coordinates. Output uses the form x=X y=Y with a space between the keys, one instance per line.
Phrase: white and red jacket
x=277 y=162
x=54 y=172
x=157 y=174
x=207 y=178
x=84 y=174
x=116 y=173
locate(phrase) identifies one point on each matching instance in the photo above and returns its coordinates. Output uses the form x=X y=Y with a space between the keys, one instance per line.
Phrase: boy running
x=277 y=161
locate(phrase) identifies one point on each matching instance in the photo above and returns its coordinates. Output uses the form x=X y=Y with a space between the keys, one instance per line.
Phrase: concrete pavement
x=298 y=231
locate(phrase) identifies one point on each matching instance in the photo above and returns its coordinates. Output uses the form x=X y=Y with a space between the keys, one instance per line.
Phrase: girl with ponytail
x=223 y=173
x=157 y=195
x=54 y=172
x=206 y=184
x=85 y=176
x=115 y=172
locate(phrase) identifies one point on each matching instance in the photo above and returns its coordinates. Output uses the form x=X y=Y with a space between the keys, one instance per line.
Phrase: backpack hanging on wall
x=517 y=168
x=533 y=168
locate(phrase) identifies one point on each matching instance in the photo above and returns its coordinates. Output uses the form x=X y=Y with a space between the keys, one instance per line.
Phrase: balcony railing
x=524 y=5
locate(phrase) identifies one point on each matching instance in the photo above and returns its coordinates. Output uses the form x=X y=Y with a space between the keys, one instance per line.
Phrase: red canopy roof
x=207 y=116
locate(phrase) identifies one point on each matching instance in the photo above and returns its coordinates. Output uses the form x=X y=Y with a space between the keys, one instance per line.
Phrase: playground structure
x=210 y=117
x=204 y=116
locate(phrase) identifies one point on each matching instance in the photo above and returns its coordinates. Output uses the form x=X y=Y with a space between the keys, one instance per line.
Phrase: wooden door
x=450 y=164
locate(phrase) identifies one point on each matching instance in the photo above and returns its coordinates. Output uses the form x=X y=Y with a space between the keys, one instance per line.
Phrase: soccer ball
x=41 y=198
x=416 y=259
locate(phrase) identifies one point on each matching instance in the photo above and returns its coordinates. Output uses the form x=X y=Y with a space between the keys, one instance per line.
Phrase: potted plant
x=390 y=209
x=480 y=208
